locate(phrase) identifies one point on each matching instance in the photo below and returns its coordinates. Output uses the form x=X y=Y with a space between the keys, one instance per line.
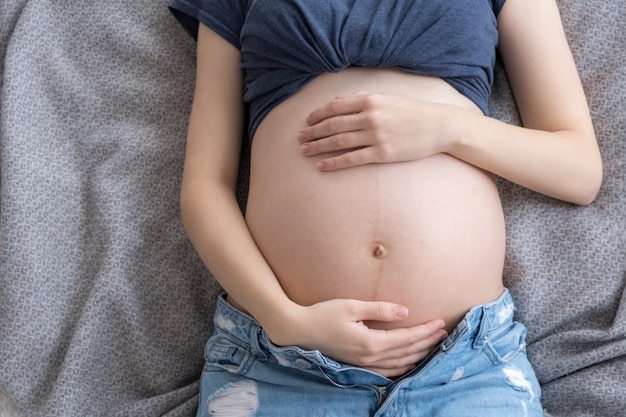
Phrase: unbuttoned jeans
x=480 y=370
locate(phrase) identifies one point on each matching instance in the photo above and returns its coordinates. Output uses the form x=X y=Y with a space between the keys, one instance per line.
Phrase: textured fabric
x=104 y=305
x=286 y=44
x=481 y=369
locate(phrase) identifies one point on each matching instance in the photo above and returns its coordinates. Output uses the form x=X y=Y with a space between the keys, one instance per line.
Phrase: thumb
x=381 y=311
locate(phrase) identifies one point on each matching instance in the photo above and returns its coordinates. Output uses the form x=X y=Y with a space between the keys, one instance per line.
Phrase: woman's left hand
x=365 y=128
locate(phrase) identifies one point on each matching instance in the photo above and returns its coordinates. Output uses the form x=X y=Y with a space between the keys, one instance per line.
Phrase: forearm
x=217 y=229
x=562 y=164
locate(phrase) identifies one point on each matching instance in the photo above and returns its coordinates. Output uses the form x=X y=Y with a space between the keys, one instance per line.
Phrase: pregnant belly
x=428 y=234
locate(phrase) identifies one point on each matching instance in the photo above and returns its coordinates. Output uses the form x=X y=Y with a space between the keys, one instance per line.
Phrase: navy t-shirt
x=287 y=43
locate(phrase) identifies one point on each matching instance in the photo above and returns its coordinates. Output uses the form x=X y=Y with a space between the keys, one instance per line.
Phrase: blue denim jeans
x=481 y=369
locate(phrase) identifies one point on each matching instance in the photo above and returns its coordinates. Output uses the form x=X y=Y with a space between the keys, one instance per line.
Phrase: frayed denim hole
x=519 y=381
x=238 y=399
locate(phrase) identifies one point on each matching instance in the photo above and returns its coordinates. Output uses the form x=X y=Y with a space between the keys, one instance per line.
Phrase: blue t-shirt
x=287 y=43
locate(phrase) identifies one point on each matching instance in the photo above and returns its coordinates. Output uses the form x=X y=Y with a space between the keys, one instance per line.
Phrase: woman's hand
x=369 y=128
x=338 y=328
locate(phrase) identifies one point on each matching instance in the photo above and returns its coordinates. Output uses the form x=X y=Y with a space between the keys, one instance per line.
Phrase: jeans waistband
x=233 y=321
x=477 y=322
x=482 y=319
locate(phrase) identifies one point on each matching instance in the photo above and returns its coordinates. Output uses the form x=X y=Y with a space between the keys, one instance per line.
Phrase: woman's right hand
x=338 y=329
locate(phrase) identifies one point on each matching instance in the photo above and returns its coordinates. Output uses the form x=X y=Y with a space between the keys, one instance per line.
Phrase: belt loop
x=483 y=327
x=255 y=343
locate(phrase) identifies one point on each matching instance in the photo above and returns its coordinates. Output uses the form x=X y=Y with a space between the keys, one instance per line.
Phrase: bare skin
x=427 y=234
x=359 y=282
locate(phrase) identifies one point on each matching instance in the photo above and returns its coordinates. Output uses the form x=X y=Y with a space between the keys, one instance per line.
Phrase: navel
x=379 y=251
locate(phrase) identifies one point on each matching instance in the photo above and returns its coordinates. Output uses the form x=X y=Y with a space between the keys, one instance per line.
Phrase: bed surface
x=104 y=305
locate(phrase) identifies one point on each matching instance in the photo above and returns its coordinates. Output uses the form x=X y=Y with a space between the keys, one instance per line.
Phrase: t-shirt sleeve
x=224 y=17
x=497 y=6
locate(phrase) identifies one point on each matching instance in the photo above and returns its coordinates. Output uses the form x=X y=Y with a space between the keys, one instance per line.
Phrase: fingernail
x=321 y=165
x=305 y=148
x=401 y=311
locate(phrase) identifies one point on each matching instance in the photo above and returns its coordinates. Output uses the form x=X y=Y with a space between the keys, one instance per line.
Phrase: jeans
x=481 y=369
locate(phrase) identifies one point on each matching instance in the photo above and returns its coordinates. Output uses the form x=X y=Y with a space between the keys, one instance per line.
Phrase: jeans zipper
x=382 y=393
x=381 y=390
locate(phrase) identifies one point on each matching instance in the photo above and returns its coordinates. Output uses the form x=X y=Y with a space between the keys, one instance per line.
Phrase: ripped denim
x=481 y=369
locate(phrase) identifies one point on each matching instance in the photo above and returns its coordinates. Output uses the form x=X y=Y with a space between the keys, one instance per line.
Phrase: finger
x=400 y=364
x=397 y=367
x=331 y=126
x=391 y=373
x=395 y=362
x=406 y=357
x=340 y=105
x=339 y=142
x=385 y=345
x=363 y=311
x=360 y=156
x=407 y=341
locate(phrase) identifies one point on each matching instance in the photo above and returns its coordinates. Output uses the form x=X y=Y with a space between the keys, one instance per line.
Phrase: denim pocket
x=503 y=344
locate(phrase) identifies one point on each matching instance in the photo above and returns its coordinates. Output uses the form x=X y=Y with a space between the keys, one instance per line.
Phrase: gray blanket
x=104 y=305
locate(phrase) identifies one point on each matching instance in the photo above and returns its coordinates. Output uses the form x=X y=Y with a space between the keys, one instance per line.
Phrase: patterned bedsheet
x=104 y=305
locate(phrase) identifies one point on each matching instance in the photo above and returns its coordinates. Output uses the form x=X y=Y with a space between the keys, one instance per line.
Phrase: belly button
x=379 y=251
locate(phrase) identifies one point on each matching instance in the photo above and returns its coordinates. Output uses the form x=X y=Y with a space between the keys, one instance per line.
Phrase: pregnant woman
x=366 y=276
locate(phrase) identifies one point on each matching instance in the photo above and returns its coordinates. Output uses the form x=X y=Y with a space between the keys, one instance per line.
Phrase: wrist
x=282 y=322
x=454 y=130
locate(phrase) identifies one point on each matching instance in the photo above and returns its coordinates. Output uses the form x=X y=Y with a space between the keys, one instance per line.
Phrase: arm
x=555 y=153
x=228 y=249
x=210 y=175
